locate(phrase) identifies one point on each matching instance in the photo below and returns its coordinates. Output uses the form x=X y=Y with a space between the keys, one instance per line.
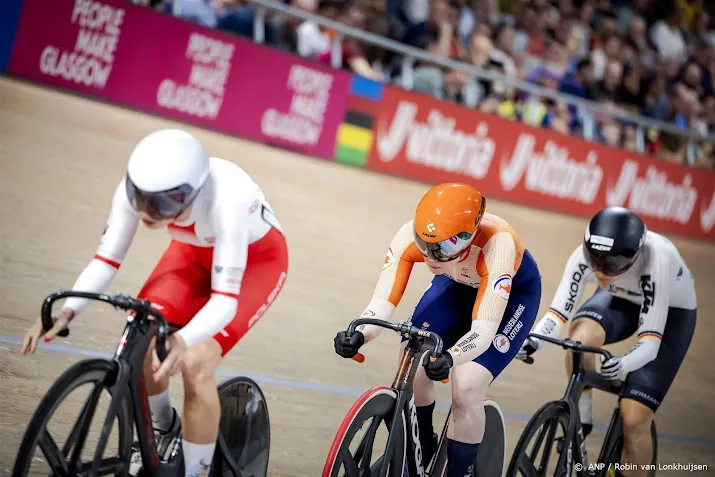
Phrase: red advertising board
x=420 y=138
x=122 y=53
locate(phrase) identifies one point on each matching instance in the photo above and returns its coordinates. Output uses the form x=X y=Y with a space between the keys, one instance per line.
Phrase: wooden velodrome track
x=60 y=159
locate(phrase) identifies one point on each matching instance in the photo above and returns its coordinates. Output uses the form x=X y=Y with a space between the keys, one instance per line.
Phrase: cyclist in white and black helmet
x=644 y=287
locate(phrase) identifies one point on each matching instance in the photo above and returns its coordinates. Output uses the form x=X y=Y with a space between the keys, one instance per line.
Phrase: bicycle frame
x=402 y=385
x=145 y=324
x=580 y=377
x=129 y=357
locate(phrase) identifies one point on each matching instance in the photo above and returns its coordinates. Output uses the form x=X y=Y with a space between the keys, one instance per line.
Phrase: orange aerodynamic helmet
x=446 y=220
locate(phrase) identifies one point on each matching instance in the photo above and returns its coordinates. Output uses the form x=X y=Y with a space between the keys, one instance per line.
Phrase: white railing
x=411 y=54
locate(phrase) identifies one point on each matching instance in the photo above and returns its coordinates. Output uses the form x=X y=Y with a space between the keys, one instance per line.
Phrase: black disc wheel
x=245 y=437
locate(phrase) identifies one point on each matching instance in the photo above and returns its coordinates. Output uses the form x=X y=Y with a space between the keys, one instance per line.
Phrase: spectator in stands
x=203 y=12
x=403 y=14
x=656 y=104
x=690 y=10
x=691 y=77
x=667 y=36
x=582 y=29
x=502 y=52
x=555 y=64
x=605 y=52
x=609 y=88
x=700 y=33
x=475 y=91
x=632 y=93
x=704 y=59
x=353 y=56
x=530 y=37
x=474 y=13
x=310 y=39
x=629 y=11
x=636 y=38
x=580 y=83
x=437 y=35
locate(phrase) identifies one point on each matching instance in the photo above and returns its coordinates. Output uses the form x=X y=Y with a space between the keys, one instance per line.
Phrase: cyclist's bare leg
x=422 y=386
x=202 y=410
x=637 y=446
x=470 y=382
x=588 y=332
x=423 y=391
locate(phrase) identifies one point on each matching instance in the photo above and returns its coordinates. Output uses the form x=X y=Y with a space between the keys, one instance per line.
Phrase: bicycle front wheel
x=39 y=447
x=541 y=436
x=351 y=457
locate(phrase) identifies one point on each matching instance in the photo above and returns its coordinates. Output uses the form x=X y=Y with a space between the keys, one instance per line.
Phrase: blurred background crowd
x=655 y=58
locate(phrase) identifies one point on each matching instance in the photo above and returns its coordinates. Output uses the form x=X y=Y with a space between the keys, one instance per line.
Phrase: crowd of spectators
x=655 y=58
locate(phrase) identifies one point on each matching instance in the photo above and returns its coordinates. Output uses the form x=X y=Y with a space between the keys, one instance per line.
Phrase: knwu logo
x=431 y=227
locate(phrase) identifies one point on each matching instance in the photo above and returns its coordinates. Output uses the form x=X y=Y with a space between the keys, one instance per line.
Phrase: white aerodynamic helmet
x=165 y=173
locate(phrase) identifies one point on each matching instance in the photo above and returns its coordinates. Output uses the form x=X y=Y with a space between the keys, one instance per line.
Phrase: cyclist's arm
x=113 y=245
x=655 y=287
x=496 y=267
x=576 y=274
x=396 y=269
x=229 y=264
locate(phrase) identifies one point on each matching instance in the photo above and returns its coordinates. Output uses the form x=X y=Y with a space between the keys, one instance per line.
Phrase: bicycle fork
x=402 y=385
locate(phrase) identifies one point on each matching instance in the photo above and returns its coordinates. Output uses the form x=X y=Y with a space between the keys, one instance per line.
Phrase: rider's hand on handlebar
x=347 y=348
x=61 y=319
x=530 y=346
x=176 y=347
x=612 y=368
x=438 y=369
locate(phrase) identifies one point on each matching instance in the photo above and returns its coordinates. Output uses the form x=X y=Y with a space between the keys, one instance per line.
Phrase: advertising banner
x=417 y=137
x=134 y=56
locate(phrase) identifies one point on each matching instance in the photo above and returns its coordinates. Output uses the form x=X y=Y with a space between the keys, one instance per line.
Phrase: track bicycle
x=242 y=448
x=394 y=407
x=562 y=417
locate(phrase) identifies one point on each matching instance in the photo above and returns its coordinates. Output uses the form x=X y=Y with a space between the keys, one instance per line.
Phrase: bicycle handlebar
x=404 y=328
x=123 y=302
x=573 y=345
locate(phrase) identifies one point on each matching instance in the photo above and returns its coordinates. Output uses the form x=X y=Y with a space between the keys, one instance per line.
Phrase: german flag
x=355 y=132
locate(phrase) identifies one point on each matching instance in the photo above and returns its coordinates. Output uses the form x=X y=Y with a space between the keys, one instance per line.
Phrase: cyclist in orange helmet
x=482 y=302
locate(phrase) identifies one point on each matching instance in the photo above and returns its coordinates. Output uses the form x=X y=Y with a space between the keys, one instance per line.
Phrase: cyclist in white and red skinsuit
x=225 y=264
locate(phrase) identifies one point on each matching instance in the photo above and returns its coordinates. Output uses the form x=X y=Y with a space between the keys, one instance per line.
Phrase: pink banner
x=118 y=52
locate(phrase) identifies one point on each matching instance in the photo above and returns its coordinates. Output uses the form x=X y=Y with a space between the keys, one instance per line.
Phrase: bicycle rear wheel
x=492 y=451
x=539 y=439
x=68 y=461
x=245 y=431
x=375 y=407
